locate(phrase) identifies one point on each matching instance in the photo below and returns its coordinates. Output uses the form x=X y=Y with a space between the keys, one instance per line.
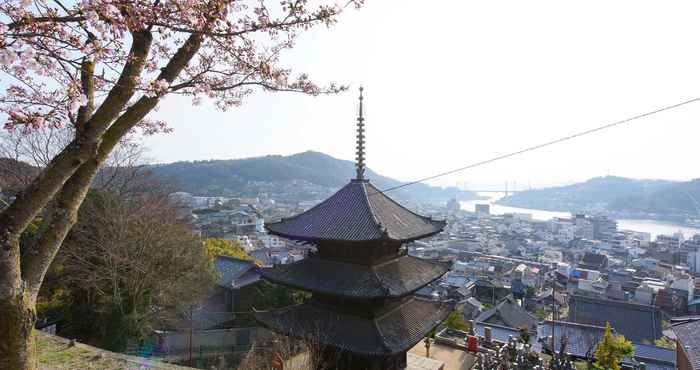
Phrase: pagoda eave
x=393 y=332
x=357 y=213
x=317 y=240
x=392 y=279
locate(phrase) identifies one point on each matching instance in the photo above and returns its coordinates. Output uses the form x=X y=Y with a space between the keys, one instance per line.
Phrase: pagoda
x=363 y=312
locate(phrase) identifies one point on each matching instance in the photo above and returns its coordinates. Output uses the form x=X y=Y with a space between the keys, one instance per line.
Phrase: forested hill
x=600 y=193
x=228 y=177
x=679 y=198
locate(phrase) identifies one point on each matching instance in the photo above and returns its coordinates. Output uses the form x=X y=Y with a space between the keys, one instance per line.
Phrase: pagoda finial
x=360 y=164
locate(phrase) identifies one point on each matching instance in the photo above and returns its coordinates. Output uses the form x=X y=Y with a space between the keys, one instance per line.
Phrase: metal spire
x=360 y=164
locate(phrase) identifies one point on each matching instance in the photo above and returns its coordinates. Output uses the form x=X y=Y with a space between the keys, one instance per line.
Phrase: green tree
x=455 y=320
x=665 y=343
x=530 y=292
x=223 y=247
x=611 y=350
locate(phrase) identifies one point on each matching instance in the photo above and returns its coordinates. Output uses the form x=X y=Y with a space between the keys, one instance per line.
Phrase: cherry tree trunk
x=17 y=312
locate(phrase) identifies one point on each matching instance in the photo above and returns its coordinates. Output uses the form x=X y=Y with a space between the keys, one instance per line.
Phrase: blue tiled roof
x=357 y=212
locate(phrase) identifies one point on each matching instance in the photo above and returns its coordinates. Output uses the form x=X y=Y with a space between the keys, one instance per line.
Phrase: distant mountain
x=228 y=177
x=596 y=194
x=680 y=199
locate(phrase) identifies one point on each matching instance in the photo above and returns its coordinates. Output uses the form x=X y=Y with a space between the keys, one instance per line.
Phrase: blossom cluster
x=44 y=47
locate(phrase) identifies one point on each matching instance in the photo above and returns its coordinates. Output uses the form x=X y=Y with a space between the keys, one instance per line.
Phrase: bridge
x=494 y=191
x=505 y=189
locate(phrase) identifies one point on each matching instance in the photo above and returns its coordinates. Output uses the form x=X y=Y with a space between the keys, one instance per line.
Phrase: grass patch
x=56 y=353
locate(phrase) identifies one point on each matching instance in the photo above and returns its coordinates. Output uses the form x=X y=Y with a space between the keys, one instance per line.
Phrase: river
x=652 y=227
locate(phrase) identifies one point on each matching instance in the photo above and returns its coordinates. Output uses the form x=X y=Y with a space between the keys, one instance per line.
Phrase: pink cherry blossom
x=238 y=46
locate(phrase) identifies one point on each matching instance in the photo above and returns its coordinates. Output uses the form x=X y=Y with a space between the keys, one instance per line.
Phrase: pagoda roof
x=392 y=332
x=357 y=212
x=395 y=278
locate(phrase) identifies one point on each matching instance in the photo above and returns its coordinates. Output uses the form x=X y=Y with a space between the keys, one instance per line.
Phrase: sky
x=449 y=83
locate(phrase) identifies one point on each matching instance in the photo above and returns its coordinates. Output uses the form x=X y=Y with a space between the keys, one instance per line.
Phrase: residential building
x=482 y=209
x=508 y=313
x=637 y=322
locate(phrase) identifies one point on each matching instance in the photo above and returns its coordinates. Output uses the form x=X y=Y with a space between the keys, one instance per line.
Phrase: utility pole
x=554 y=289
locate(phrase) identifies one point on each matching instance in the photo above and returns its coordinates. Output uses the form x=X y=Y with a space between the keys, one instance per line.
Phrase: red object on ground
x=472 y=343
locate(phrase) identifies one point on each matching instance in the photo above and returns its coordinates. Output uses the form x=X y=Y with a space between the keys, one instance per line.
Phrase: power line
x=540 y=146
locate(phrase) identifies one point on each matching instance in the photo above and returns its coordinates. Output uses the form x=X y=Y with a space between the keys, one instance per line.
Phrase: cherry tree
x=98 y=67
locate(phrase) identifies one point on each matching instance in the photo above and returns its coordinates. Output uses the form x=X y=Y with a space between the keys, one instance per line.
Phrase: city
x=357 y=185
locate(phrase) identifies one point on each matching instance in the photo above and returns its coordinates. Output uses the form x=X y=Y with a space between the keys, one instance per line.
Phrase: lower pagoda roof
x=395 y=278
x=395 y=331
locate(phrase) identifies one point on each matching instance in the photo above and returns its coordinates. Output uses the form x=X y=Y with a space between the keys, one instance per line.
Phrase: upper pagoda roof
x=357 y=212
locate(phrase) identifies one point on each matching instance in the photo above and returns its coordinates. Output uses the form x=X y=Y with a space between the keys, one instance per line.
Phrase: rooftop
x=358 y=212
x=230 y=269
x=637 y=322
x=396 y=330
x=395 y=278
x=689 y=340
x=507 y=313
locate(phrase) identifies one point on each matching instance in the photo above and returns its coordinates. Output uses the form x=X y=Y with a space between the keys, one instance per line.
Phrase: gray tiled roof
x=509 y=313
x=581 y=338
x=395 y=278
x=230 y=269
x=394 y=331
x=651 y=354
x=637 y=322
x=498 y=333
x=357 y=212
x=689 y=340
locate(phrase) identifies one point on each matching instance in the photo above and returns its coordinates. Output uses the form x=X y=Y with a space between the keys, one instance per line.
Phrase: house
x=582 y=339
x=687 y=345
x=547 y=299
x=472 y=308
x=234 y=292
x=508 y=313
x=637 y=322
x=488 y=291
x=594 y=261
x=656 y=358
x=670 y=302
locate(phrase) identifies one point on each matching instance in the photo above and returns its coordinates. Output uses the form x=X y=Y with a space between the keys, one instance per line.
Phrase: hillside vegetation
x=235 y=176
x=600 y=193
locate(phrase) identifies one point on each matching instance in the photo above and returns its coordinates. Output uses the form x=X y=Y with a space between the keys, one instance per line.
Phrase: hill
x=596 y=194
x=680 y=199
x=238 y=177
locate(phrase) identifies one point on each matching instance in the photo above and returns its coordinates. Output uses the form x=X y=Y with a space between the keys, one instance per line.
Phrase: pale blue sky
x=454 y=82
